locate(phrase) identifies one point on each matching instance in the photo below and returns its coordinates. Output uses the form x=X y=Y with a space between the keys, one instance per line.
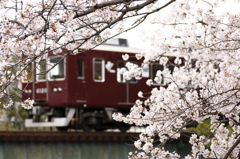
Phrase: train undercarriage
x=75 y=118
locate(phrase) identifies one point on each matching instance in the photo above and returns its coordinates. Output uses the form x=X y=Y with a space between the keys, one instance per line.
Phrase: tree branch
x=232 y=148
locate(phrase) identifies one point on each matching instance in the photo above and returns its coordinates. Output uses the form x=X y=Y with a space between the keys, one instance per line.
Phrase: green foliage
x=12 y=117
x=14 y=112
x=201 y=129
x=15 y=116
x=204 y=128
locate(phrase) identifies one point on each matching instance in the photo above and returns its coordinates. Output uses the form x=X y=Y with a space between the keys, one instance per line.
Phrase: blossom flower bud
x=147 y=147
x=138 y=144
x=149 y=82
x=140 y=94
x=163 y=60
x=27 y=104
x=125 y=57
x=138 y=56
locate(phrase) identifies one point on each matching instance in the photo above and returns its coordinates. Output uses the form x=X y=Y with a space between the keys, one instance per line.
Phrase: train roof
x=121 y=46
x=120 y=49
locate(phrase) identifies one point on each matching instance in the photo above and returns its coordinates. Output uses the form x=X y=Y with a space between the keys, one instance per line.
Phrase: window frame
x=145 y=70
x=120 y=78
x=38 y=72
x=80 y=77
x=118 y=73
x=153 y=75
x=24 y=80
x=49 y=66
x=102 y=70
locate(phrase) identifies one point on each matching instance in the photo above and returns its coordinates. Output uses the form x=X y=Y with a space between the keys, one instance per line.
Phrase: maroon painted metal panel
x=100 y=94
x=41 y=92
x=84 y=91
x=27 y=91
x=59 y=98
x=47 y=136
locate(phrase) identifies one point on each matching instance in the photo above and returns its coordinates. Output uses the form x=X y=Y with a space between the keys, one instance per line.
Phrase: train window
x=155 y=68
x=41 y=70
x=98 y=70
x=145 y=70
x=120 y=78
x=80 y=68
x=171 y=68
x=28 y=72
x=57 y=72
x=133 y=80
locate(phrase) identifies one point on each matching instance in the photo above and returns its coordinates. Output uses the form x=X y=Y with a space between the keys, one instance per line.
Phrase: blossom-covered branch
x=32 y=29
x=203 y=83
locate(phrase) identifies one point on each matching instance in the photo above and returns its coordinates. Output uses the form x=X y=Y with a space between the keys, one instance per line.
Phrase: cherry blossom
x=204 y=84
x=29 y=30
x=199 y=39
x=27 y=104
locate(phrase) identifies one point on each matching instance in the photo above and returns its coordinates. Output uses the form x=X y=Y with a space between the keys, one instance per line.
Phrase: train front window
x=98 y=70
x=155 y=68
x=120 y=78
x=41 y=70
x=57 y=71
x=28 y=72
x=145 y=70
x=80 y=69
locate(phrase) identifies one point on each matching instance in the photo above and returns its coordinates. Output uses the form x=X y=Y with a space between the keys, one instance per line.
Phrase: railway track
x=55 y=136
x=44 y=136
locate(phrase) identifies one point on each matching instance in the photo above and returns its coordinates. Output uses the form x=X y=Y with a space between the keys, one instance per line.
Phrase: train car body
x=82 y=90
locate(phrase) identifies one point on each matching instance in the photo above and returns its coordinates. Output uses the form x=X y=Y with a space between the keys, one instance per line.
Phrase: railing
x=12 y=126
x=19 y=126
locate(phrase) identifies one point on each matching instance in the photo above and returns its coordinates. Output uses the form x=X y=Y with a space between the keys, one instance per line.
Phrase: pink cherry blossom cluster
x=204 y=39
x=29 y=30
x=203 y=36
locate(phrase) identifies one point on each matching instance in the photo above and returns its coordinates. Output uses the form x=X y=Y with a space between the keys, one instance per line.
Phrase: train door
x=127 y=89
x=81 y=80
x=35 y=83
x=40 y=83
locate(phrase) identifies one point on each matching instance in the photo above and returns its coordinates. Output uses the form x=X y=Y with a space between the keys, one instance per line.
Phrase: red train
x=83 y=90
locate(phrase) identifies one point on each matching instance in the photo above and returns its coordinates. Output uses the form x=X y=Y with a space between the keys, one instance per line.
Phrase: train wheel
x=100 y=129
x=60 y=112
x=97 y=129
x=62 y=128
x=87 y=124
x=123 y=127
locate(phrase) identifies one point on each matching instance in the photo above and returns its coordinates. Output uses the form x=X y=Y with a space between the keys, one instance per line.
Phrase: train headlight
x=57 y=89
x=28 y=91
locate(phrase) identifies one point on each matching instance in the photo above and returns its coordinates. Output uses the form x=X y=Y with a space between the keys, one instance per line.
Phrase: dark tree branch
x=232 y=148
